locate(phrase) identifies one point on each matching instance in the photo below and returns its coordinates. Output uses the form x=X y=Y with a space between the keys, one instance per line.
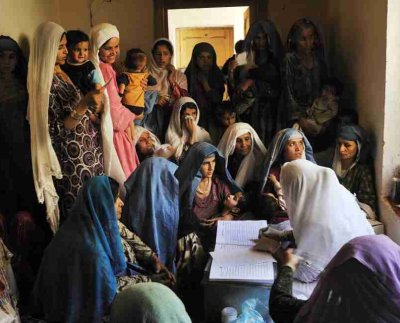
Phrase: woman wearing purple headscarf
x=360 y=284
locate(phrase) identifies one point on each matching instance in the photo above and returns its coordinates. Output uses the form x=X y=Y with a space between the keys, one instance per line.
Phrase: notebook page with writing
x=239 y=232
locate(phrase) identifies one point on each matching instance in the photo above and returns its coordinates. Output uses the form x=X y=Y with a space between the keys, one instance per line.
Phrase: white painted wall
x=206 y=17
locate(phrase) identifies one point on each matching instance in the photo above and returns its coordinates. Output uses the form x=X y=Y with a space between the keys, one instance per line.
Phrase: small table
x=220 y=294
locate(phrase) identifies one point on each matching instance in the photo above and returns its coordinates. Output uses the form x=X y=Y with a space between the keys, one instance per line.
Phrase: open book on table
x=234 y=257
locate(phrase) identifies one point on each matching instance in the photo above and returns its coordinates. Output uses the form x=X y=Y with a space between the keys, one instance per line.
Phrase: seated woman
x=152 y=206
x=244 y=152
x=205 y=188
x=206 y=81
x=148 y=303
x=205 y=185
x=323 y=214
x=350 y=164
x=84 y=265
x=183 y=130
x=288 y=144
x=360 y=284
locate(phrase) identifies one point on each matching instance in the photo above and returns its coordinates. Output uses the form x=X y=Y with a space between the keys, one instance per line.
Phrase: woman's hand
x=287 y=258
x=209 y=223
x=162 y=101
x=161 y=272
x=94 y=99
x=143 y=83
x=190 y=126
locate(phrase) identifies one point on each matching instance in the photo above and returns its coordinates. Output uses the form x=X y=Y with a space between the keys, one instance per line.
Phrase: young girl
x=129 y=82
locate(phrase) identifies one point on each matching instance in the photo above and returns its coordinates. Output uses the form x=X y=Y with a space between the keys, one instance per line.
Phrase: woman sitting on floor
x=183 y=130
x=288 y=144
x=244 y=152
x=91 y=257
x=323 y=214
x=351 y=166
x=152 y=206
x=359 y=285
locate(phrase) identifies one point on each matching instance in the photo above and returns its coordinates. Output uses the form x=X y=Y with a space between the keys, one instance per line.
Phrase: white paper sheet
x=239 y=255
x=239 y=232
x=260 y=273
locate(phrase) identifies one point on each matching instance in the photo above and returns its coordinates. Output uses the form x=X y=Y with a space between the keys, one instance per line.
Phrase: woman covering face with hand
x=183 y=130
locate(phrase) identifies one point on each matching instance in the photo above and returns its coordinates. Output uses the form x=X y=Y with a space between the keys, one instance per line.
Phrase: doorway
x=221 y=38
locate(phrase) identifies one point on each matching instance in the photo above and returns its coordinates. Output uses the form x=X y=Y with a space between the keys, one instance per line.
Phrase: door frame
x=258 y=10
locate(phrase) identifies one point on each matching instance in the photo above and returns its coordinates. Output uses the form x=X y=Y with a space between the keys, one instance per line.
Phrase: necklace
x=206 y=190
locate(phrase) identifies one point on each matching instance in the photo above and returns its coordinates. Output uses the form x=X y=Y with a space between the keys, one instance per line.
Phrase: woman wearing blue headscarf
x=288 y=144
x=84 y=265
x=152 y=206
x=204 y=187
x=350 y=164
x=206 y=195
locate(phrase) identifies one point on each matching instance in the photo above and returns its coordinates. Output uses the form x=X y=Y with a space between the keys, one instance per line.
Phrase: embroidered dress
x=79 y=151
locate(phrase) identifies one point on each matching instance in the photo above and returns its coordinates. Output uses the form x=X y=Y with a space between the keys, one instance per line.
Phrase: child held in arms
x=324 y=108
x=129 y=82
x=80 y=70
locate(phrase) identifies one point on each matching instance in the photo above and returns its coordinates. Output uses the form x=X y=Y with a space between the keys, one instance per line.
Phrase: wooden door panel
x=221 y=38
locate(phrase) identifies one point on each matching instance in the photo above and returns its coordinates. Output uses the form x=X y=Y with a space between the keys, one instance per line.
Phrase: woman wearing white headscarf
x=104 y=51
x=65 y=138
x=243 y=151
x=183 y=130
x=323 y=214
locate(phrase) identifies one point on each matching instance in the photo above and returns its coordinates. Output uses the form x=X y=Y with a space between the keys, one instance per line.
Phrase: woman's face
x=204 y=61
x=306 y=41
x=145 y=144
x=261 y=41
x=62 y=51
x=348 y=149
x=293 y=150
x=162 y=56
x=188 y=113
x=207 y=168
x=243 y=144
x=109 y=52
x=8 y=61
x=118 y=207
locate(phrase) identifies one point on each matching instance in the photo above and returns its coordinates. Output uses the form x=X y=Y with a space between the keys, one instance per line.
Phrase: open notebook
x=234 y=258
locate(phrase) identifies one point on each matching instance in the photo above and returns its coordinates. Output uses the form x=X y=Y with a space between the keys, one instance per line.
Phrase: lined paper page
x=239 y=232
x=263 y=272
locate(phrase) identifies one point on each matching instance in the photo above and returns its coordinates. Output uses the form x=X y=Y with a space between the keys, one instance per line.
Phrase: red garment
x=210 y=206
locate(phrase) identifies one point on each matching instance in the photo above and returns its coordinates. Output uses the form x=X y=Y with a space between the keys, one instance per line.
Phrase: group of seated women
x=136 y=165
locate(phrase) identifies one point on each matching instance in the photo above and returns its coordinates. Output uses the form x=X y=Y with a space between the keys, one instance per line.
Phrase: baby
x=129 y=86
x=80 y=70
x=324 y=108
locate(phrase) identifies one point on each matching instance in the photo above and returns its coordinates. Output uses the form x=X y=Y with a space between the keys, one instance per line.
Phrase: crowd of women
x=133 y=188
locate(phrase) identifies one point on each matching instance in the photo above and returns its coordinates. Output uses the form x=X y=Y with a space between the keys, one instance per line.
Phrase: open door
x=257 y=10
x=246 y=18
x=221 y=38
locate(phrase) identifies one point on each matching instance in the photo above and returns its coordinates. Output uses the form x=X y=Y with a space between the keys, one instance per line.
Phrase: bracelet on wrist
x=76 y=116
